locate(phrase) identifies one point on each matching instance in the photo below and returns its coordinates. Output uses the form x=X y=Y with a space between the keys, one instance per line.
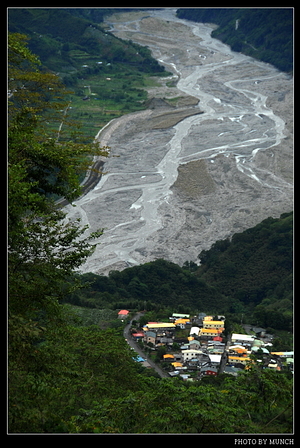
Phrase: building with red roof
x=122 y=314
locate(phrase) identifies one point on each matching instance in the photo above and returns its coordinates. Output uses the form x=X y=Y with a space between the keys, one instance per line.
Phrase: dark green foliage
x=256 y=268
x=154 y=284
x=265 y=34
x=55 y=33
x=249 y=277
x=84 y=54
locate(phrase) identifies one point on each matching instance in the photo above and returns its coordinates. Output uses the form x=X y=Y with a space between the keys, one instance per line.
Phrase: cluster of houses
x=204 y=351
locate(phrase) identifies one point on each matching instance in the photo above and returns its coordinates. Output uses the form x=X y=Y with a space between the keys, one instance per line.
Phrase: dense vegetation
x=250 y=274
x=105 y=75
x=65 y=377
x=57 y=35
x=265 y=34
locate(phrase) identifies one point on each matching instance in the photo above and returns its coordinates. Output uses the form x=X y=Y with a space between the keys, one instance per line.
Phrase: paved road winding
x=137 y=348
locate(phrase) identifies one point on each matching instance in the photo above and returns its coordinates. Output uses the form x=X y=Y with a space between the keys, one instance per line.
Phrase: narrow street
x=225 y=355
x=136 y=347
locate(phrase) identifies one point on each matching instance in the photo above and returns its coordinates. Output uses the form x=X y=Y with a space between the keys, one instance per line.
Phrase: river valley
x=210 y=157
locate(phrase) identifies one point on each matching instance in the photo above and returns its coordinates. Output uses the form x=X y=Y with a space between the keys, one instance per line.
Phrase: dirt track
x=183 y=180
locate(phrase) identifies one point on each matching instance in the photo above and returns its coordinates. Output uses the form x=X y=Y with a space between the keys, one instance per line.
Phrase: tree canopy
x=43 y=251
x=263 y=33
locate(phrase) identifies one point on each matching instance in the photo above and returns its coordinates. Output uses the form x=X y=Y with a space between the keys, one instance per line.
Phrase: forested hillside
x=60 y=36
x=105 y=75
x=265 y=34
x=251 y=274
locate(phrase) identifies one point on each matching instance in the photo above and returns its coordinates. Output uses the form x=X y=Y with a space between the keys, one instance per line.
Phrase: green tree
x=43 y=250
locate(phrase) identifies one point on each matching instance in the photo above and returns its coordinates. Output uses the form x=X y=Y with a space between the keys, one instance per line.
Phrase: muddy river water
x=172 y=191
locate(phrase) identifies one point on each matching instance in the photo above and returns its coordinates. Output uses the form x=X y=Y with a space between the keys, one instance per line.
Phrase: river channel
x=173 y=191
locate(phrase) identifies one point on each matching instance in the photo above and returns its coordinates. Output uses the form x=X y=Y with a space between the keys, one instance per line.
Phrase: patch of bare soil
x=193 y=180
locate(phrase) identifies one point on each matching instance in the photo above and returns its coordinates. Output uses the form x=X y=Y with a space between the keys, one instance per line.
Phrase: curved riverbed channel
x=185 y=173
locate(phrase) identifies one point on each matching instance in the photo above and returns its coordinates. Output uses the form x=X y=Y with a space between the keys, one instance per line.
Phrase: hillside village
x=206 y=350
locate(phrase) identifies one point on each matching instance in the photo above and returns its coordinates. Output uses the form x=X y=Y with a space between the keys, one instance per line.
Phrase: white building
x=237 y=338
x=190 y=354
x=195 y=330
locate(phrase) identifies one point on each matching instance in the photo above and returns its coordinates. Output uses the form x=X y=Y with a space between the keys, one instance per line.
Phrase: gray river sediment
x=173 y=192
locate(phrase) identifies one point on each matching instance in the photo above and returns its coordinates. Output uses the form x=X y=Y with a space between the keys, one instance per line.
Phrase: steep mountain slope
x=251 y=273
x=58 y=36
x=265 y=34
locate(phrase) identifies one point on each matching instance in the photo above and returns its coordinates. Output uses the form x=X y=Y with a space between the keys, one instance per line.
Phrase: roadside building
x=139 y=335
x=215 y=360
x=150 y=336
x=159 y=326
x=122 y=314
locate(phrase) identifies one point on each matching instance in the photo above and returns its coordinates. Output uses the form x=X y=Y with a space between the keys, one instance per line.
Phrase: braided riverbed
x=174 y=189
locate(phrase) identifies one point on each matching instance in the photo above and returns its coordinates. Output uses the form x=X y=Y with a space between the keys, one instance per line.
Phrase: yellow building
x=176 y=364
x=160 y=326
x=181 y=321
x=210 y=331
x=214 y=324
x=239 y=359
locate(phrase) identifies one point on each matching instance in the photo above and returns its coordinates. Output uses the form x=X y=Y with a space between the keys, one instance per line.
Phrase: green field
x=106 y=75
x=99 y=98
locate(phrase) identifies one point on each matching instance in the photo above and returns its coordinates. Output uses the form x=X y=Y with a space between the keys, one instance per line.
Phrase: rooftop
x=125 y=312
x=242 y=337
x=214 y=322
x=160 y=325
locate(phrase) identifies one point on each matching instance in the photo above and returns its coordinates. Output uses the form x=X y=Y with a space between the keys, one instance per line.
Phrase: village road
x=137 y=348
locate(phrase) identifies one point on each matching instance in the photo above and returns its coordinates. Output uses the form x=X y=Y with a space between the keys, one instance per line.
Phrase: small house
x=215 y=360
x=150 y=336
x=194 y=345
x=238 y=360
x=122 y=314
x=195 y=331
x=217 y=339
x=209 y=370
x=139 y=335
x=189 y=354
x=168 y=358
x=177 y=365
x=181 y=322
